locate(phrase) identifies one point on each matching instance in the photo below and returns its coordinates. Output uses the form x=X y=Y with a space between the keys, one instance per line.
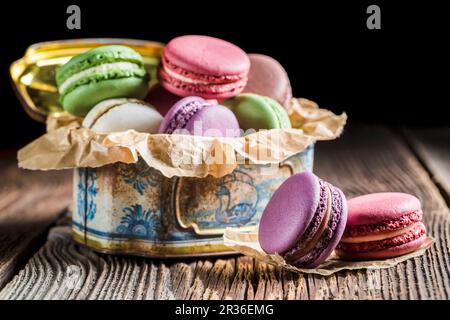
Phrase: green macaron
x=258 y=112
x=98 y=74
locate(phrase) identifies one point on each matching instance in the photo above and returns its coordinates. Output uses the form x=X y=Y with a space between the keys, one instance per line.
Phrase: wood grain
x=365 y=159
x=432 y=145
x=29 y=203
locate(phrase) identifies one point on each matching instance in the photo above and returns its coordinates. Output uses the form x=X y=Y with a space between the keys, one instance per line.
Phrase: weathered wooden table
x=38 y=260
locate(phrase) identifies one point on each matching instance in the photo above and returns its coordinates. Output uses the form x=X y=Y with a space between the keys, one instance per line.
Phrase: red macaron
x=203 y=66
x=381 y=226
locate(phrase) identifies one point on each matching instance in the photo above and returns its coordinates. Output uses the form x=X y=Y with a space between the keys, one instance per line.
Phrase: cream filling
x=183 y=78
x=378 y=236
x=102 y=68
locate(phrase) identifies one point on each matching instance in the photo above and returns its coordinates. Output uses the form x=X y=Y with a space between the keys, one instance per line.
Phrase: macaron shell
x=267 y=77
x=110 y=73
x=99 y=109
x=356 y=233
x=214 y=121
x=79 y=101
x=206 y=91
x=96 y=56
x=385 y=253
x=289 y=212
x=283 y=117
x=175 y=109
x=207 y=55
x=126 y=116
x=376 y=236
x=258 y=112
x=378 y=207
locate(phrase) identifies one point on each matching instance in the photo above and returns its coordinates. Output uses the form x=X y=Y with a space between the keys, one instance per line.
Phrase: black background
x=381 y=76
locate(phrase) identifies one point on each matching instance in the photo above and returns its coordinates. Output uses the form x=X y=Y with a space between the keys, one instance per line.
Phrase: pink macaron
x=203 y=66
x=382 y=225
x=267 y=77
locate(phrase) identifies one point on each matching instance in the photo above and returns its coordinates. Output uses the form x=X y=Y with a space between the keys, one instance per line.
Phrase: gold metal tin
x=33 y=76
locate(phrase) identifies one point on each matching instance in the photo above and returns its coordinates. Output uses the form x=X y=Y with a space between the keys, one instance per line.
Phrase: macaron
x=115 y=115
x=382 y=225
x=197 y=116
x=267 y=77
x=258 y=112
x=303 y=221
x=161 y=99
x=203 y=66
x=98 y=74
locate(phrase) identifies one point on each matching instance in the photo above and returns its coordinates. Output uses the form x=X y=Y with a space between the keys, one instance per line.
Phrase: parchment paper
x=67 y=145
x=246 y=242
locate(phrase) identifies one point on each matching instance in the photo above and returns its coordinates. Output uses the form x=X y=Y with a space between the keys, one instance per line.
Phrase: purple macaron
x=197 y=116
x=304 y=220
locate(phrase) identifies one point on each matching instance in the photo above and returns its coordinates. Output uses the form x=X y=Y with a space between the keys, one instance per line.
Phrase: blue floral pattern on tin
x=87 y=191
x=140 y=176
x=225 y=209
x=242 y=212
x=139 y=222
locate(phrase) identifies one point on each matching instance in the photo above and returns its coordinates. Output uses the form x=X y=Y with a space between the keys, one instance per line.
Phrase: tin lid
x=33 y=76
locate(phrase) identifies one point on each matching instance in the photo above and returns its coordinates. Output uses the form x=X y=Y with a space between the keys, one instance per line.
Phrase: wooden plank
x=432 y=146
x=29 y=203
x=366 y=159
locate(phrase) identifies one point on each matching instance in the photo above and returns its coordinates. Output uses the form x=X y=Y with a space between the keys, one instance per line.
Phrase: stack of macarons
x=307 y=219
x=216 y=69
x=104 y=86
x=204 y=67
x=207 y=86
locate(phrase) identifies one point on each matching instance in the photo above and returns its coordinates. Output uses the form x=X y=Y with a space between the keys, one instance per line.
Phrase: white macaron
x=115 y=115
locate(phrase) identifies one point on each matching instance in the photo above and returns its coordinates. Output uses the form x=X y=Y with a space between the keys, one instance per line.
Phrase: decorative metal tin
x=134 y=209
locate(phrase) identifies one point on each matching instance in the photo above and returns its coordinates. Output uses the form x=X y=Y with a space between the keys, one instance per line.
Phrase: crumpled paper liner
x=67 y=145
x=246 y=242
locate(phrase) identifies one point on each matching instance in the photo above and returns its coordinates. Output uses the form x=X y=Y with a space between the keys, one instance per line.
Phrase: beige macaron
x=115 y=115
